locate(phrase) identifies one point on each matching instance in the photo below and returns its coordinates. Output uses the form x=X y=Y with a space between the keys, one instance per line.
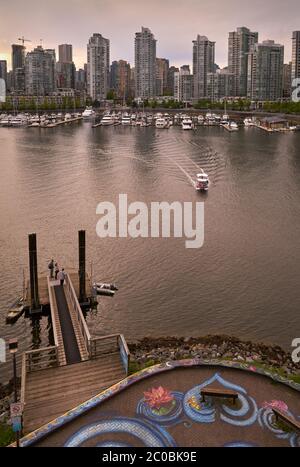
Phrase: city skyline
x=273 y=20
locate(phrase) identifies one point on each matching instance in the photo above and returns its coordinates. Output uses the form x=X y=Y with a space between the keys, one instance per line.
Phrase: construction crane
x=22 y=39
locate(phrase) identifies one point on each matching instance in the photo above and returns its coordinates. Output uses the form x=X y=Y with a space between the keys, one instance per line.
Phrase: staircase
x=53 y=392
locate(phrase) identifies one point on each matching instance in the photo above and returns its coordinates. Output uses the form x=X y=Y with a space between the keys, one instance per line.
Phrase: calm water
x=243 y=281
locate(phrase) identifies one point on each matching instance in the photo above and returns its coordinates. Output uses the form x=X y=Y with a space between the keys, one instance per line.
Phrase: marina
x=186 y=121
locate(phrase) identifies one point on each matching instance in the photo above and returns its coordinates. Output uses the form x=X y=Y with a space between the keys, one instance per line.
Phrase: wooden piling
x=34 y=286
x=82 y=259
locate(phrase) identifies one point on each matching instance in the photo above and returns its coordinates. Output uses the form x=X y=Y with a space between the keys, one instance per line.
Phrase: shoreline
x=150 y=350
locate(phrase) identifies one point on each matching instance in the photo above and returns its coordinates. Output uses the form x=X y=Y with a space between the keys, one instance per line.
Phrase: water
x=244 y=280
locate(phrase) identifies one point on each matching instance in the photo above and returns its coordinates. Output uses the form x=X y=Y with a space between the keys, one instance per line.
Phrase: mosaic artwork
x=161 y=408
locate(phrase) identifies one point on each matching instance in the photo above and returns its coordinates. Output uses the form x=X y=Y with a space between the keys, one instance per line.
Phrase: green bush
x=7 y=435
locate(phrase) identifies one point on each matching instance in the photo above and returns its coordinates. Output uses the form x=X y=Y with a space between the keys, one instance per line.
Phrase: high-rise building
x=239 y=45
x=65 y=75
x=265 y=71
x=19 y=80
x=18 y=67
x=120 y=78
x=3 y=70
x=220 y=84
x=162 y=68
x=18 y=56
x=52 y=53
x=10 y=81
x=113 y=75
x=183 y=84
x=98 y=51
x=170 y=83
x=80 y=79
x=65 y=68
x=296 y=55
x=203 y=63
x=145 y=64
x=287 y=81
x=65 y=53
x=40 y=72
x=132 y=82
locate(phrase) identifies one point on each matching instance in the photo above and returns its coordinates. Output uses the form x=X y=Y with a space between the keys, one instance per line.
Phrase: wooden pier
x=63 y=122
x=78 y=366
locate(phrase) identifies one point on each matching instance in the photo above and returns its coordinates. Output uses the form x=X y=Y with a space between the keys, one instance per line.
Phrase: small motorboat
x=104 y=285
x=15 y=311
x=102 y=288
x=202 y=182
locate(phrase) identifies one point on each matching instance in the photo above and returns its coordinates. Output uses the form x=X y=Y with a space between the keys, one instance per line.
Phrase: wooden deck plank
x=52 y=392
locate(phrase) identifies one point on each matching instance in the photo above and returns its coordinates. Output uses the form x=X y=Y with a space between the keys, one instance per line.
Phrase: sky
x=174 y=23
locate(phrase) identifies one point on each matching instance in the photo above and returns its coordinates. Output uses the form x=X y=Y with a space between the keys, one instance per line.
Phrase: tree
x=111 y=95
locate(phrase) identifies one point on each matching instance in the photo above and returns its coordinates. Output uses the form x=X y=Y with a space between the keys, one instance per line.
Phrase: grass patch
x=276 y=371
x=7 y=435
x=295 y=378
x=282 y=426
x=134 y=367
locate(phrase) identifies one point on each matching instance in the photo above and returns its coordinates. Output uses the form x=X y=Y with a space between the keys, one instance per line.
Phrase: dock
x=261 y=127
x=63 y=122
x=227 y=128
x=77 y=366
x=44 y=298
x=95 y=125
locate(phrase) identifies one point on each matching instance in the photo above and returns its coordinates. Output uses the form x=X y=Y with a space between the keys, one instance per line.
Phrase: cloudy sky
x=175 y=23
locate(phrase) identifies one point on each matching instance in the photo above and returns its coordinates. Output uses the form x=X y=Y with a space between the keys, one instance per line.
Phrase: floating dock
x=227 y=128
x=63 y=122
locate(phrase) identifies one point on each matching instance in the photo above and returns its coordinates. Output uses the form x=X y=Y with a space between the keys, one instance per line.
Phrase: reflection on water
x=244 y=281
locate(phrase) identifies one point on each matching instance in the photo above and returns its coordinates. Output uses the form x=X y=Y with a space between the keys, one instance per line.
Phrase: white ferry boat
x=202 y=181
x=187 y=124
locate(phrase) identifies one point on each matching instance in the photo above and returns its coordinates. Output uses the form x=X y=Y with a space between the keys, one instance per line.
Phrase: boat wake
x=190 y=179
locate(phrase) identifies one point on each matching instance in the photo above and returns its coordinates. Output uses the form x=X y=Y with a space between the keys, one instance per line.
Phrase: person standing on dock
x=56 y=271
x=61 y=277
x=51 y=268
